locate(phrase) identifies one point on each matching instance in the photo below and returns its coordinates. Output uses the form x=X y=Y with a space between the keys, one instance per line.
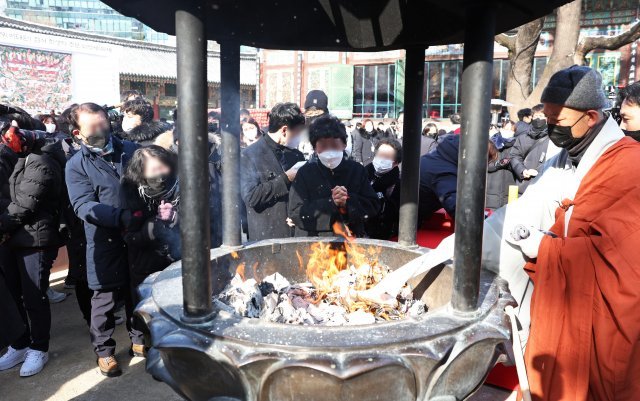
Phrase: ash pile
x=334 y=303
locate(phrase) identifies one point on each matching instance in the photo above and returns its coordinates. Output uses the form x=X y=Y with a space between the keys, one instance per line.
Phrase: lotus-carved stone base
x=440 y=356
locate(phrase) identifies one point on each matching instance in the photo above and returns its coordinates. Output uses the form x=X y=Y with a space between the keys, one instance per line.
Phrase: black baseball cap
x=318 y=99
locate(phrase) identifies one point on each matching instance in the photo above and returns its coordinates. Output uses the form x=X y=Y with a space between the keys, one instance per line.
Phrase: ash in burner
x=275 y=299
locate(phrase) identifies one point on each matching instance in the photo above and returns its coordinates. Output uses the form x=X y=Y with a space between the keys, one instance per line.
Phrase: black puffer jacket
x=9 y=315
x=387 y=187
x=32 y=218
x=529 y=152
x=310 y=204
x=499 y=178
x=147 y=134
x=439 y=178
x=8 y=160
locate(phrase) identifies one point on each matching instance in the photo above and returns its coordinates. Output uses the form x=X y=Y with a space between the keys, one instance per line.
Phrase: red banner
x=36 y=80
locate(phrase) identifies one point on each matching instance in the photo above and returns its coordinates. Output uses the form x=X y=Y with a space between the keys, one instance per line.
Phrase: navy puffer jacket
x=439 y=178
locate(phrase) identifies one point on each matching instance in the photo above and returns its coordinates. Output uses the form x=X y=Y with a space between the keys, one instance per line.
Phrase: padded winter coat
x=310 y=204
x=32 y=218
x=93 y=183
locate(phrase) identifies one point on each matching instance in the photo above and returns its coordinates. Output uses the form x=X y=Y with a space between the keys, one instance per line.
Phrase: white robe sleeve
x=535 y=208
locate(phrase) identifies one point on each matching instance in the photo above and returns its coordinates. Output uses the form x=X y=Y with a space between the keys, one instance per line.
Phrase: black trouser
x=103 y=303
x=76 y=249
x=77 y=253
x=12 y=325
x=26 y=271
x=83 y=296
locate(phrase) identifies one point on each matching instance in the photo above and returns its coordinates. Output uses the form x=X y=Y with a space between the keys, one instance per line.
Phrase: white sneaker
x=55 y=296
x=34 y=362
x=12 y=358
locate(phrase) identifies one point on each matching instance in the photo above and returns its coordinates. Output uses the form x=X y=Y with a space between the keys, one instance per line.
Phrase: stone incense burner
x=439 y=356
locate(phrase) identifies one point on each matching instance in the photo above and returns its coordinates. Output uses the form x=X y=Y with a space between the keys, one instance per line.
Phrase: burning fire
x=338 y=275
x=331 y=268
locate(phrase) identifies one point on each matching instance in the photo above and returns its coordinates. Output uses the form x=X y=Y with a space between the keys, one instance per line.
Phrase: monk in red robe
x=584 y=343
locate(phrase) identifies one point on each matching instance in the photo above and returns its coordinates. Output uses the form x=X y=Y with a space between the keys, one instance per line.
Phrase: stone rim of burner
x=433 y=348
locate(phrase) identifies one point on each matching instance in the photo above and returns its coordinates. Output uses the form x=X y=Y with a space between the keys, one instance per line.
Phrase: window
x=608 y=64
x=170 y=90
x=139 y=86
x=373 y=90
x=442 y=88
x=539 y=64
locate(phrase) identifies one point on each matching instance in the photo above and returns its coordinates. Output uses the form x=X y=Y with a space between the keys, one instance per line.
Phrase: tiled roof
x=162 y=64
x=143 y=59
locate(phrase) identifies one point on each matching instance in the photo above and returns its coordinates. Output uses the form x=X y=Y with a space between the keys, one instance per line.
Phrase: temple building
x=43 y=68
x=371 y=84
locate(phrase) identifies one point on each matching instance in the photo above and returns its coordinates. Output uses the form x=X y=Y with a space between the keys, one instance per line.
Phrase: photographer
x=29 y=228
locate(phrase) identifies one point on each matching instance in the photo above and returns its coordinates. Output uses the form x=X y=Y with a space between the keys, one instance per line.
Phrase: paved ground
x=71 y=373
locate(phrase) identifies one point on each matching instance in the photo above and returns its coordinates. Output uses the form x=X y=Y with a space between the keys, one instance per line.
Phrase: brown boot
x=109 y=366
x=138 y=350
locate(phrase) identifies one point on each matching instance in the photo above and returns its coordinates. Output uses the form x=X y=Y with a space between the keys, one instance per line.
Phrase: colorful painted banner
x=36 y=80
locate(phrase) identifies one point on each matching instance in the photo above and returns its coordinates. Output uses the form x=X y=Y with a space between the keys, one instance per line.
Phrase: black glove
x=131 y=221
x=502 y=163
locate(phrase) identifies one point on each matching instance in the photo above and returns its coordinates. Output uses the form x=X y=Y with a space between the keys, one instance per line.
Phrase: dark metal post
x=194 y=179
x=409 y=191
x=230 y=128
x=477 y=79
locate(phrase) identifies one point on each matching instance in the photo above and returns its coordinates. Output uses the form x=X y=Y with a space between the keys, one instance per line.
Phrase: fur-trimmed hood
x=146 y=133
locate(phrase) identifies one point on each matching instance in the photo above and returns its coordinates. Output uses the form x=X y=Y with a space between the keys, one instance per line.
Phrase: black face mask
x=161 y=182
x=561 y=136
x=633 y=134
x=539 y=123
x=163 y=187
x=99 y=139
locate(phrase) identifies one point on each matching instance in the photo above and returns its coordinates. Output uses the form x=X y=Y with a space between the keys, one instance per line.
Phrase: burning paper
x=335 y=273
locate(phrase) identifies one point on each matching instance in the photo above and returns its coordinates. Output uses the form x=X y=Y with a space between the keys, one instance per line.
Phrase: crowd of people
x=104 y=183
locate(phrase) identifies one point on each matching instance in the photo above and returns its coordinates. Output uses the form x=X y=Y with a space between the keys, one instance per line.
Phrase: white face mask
x=50 y=128
x=331 y=158
x=293 y=143
x=382 y=165
x=127 y=124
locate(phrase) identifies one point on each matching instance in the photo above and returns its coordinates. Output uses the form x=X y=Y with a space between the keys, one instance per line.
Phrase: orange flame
x=327 y=260
x=235 y=255
x=240 y=271
x=342 y=230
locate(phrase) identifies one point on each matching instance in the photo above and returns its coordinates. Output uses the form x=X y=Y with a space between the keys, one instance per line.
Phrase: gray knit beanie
x=578 y=87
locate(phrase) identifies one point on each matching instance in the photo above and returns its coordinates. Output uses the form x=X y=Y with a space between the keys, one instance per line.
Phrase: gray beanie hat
x=578 y=87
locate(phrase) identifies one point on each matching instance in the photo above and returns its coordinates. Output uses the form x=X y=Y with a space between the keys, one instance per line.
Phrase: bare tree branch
x=508 y=41
x=590 y=43
x=564 y=45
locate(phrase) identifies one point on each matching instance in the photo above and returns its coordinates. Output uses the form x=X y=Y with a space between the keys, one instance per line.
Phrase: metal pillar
x=194 y=180
x=230 y=128
x=409 y=191
x=477 y=79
